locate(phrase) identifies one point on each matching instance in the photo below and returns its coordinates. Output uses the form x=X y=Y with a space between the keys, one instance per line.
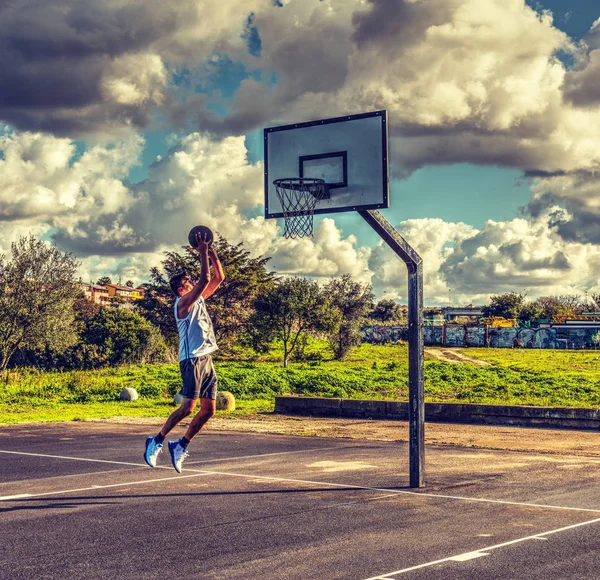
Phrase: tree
x=531 y=311
x=129 y=283
x=122 y=336
x=289 y=309
x=507 y=305
x=354 y=301
x=230 y=306
x=78 y=356
x=104 y=281
x=566 y=305
x=386 y=310
x=37 y=292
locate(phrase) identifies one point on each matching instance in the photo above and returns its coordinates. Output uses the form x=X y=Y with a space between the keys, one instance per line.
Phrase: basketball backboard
x=349 y=153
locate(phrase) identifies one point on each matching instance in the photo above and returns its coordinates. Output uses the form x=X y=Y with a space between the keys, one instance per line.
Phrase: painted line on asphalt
x=18 y=496
x=73 y=458
x=406 y=492
x=237 y=458
x=270 y=454
x=324 y=483
x=96 y=487
x=482 y=551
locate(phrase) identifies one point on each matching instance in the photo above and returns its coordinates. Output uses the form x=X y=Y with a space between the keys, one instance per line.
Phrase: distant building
x=451 y=313
x=125 y=292
x=433 y=317
x=95 y=293
x=104 y=294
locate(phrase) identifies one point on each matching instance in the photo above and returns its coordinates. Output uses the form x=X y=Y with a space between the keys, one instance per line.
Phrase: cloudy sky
x=123 y=123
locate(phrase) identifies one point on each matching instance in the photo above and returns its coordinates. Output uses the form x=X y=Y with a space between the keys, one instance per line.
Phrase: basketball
x=199 y=230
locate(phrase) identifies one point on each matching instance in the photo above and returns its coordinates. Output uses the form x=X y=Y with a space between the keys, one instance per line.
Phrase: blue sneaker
x=152 y=452
x=178 y=454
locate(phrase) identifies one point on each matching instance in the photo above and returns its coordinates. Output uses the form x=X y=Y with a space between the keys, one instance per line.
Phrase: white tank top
x=196 y=333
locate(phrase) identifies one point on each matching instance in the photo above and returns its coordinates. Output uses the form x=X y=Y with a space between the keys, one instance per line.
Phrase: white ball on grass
x=225 y=401
x=128 y=394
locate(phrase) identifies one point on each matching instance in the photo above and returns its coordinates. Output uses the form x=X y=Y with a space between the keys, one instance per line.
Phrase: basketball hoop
x=299 y=197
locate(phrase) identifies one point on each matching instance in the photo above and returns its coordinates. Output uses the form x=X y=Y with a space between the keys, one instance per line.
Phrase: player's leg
x=190 y=392
x=154 y=444
x=206 y=381
x=185 y=409
x=207 y=410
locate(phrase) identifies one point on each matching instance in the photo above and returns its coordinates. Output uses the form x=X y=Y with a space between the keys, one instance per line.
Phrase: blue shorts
x=199 y=378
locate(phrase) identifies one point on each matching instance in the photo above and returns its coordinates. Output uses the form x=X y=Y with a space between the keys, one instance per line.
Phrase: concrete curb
x=512 y=415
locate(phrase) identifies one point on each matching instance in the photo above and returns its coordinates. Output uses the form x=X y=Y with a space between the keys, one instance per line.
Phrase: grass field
x=515 y=377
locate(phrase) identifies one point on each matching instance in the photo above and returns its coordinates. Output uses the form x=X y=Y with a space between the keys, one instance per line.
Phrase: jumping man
x=196 y=344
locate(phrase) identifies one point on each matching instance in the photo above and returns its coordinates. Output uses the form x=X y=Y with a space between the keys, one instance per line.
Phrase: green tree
x=79 y=356
x=386 y=310
x=563 y=305
x=129 y=283
x=230 y=306
x=507 y=305
x=288 y=310
x=37 y=292
x=103 y=281
x=531 y=311
x=354 y=301
x=122 y=336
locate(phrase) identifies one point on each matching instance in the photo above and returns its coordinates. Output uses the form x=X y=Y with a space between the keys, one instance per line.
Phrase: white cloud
x=74 y=68
x=40 y=176
x=462 y=81
x=324 y=256
x=87 y=206
x=473 y=81
x=433 y=240
x=135 y=80
x=517 y=255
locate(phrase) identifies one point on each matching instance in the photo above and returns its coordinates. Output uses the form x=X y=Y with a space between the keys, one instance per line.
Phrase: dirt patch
x=475 y=436
x=454 y=356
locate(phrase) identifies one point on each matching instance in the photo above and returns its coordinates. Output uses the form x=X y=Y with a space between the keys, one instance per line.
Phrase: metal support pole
x=416 y=415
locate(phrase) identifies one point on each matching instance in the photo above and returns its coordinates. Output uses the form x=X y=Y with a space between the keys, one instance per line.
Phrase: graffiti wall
x=461 y=336
x=433 y=334
x=379 y=334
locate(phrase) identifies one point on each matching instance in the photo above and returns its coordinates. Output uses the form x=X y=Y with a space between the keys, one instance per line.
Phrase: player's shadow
x=26 y=503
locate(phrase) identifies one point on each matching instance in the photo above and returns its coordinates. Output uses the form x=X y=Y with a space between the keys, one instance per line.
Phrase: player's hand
x=202 y=242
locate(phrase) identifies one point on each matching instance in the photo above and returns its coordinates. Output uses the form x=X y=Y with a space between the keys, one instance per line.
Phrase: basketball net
x=299 y=197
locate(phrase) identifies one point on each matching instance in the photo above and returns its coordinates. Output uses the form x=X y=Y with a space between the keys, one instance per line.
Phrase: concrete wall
x=379 y=334
x=550 y=417
x=460 y=336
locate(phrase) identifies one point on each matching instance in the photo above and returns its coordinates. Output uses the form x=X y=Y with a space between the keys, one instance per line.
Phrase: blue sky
x=157 y=126
x=461 y=192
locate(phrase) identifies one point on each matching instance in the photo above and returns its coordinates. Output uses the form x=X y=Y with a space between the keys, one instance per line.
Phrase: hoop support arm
x=414 y=264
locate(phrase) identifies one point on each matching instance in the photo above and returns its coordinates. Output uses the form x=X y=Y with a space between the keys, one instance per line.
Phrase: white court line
x=73 y=458
x=95 y=487
x=269 y=454
x=324 y=483
x=482 y=551
x=159 y=466
x=405 y=492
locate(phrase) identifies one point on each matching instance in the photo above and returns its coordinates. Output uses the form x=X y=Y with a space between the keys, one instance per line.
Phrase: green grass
x=84 y=411
x=516 y=377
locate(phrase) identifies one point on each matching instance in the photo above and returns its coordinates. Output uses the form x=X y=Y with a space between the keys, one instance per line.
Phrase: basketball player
x=196 y=344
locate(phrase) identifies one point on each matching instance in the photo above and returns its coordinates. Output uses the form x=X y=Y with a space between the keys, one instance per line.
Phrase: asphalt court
x=77 y=501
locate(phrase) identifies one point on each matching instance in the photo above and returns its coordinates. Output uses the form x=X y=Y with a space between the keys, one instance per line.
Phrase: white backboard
x=349 y=153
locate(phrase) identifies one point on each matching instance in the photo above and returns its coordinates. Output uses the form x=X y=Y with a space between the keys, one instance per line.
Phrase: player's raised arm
x=218 y=274
x=189 y=298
